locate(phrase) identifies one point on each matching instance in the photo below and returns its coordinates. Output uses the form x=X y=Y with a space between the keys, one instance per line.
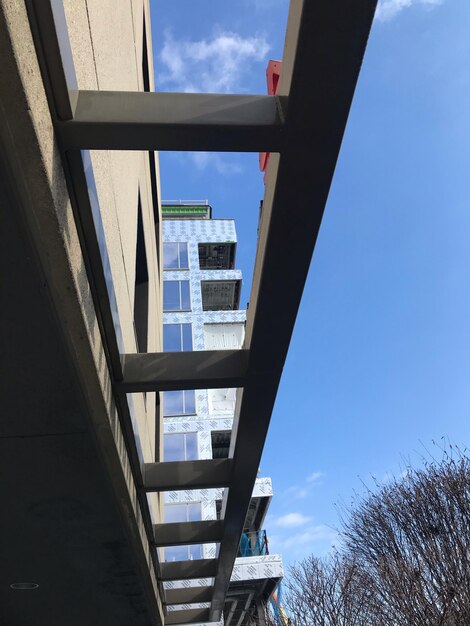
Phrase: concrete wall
x=107 y=41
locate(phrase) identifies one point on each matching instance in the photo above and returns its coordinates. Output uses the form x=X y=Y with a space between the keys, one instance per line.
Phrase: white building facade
x=201 y=292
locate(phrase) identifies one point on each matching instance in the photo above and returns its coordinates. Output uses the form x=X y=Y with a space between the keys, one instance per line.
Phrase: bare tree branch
x=405 y=559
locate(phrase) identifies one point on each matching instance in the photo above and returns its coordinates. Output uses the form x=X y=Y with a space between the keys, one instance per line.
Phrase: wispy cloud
x=390 y=477
x=314 y=477
x=222 y=165
x=292 y=520
x=297 y=492
x=316 y=539
x=302 y=490
x=386 y=478
x=388 y=9
x=295 y=534
x=217 y=65
x=310 y=536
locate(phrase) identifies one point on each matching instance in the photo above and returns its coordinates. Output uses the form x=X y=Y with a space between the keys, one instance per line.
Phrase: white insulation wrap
x=221 y=401
x=223 y=336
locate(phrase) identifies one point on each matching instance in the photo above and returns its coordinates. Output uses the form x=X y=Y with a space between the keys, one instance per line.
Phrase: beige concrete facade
x=107 y=41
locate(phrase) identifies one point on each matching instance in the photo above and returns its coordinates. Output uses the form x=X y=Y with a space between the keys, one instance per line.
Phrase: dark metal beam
x=187 y=533
x=261 y=613
x=179 y=475
x=166 y=371
x=127 y=120
x=188 y=595
x=325 y=45
x=187 y=616
x=183 y=570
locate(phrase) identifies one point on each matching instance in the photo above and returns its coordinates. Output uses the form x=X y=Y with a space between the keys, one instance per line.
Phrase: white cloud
x=301 y=491
x=317 y=539
x=390 y=477
x=297 y=492
x=292 y=520
x=216 y=65
x=388 y=9
x=310 y=536
x=314 y=477
x=226 y=165
x=222 y=165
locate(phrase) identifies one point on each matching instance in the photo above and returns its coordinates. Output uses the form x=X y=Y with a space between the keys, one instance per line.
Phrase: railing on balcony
x=253 y=544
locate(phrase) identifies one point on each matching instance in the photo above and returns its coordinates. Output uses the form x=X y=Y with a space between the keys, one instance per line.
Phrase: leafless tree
x=329 y=592
x=404 y=560
x=411 y=539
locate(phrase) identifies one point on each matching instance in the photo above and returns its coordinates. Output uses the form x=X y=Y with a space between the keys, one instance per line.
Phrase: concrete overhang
x=71 y=522
x=68 y=523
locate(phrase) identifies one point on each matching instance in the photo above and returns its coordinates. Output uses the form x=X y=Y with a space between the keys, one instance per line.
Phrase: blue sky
x=379 y=365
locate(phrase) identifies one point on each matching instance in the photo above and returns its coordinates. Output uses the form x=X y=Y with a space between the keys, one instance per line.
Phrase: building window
x=187 y=512
x=179 y=402
x=175 y=256
x=220 y=443
x=180 y=447
x=183 y=512
x=183 y=553
x=176 y=295
x=177 y=338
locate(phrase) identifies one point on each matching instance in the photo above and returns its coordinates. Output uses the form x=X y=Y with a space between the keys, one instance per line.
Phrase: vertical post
x=261 y=613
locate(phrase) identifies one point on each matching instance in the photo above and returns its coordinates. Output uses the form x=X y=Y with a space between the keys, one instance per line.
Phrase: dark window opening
x=217 y=256
x=220 y=295
x=218 y=509
x=141 y=291
x=220 y=443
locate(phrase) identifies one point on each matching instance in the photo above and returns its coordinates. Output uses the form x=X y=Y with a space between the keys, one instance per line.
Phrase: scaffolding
x=275 y=602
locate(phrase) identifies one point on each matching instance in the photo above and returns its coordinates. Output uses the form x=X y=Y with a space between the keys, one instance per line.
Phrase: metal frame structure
x=302 y=127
